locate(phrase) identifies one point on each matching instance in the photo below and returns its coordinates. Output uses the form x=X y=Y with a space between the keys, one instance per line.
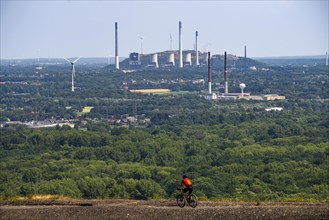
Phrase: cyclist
x=188 y=185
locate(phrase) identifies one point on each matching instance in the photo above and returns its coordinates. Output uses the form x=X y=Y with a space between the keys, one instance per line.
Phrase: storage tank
x=242 y=86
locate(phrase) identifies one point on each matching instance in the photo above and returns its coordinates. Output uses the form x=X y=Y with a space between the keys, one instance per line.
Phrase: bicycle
x=183 y=198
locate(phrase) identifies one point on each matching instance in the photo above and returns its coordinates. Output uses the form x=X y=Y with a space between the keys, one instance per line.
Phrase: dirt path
x=164 y=209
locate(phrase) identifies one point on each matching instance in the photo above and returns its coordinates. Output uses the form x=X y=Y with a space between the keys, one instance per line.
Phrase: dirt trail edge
x=160 y=209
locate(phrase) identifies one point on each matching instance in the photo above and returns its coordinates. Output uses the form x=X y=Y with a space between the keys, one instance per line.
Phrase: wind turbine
x=73 y=70
x=141 y=38
x=170 y=38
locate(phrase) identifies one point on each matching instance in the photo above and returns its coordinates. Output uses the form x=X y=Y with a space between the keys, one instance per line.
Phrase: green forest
x=231 y=150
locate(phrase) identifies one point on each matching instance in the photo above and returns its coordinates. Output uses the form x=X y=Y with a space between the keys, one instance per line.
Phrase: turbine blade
x=76 y=60
x=67 y=60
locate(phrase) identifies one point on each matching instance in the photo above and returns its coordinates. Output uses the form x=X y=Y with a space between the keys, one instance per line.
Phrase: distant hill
x=293 y=60
x=217 y=60
x=102 y=61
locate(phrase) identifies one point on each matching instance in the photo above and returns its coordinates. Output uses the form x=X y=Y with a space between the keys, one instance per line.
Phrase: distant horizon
x=112 y=57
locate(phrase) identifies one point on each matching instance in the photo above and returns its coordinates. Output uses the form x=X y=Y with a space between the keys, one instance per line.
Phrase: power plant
x=136 y=62
x=210 y=95
x=166 y=58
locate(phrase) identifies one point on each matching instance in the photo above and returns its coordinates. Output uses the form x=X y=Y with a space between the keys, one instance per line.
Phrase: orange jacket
x=187 y=182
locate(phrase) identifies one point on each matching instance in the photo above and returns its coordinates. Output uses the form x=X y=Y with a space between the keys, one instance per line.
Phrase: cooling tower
x=188 y=60
x=171 y=59
x=154 y=60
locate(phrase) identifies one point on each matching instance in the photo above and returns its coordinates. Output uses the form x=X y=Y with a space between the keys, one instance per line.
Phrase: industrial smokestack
x=245 y=57
x=209 y=74
x=116 y=46
x=180 y=46
x=326 y=58
x=196 y=49
x=225 y=73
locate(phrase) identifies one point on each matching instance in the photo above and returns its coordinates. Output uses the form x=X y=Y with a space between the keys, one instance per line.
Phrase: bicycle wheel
x=193 y=201
x=181 y=200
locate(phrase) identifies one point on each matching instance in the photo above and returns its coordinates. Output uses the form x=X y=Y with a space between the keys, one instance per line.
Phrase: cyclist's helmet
x=184 y=176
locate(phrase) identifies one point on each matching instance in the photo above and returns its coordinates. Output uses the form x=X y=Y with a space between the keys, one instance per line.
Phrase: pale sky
x=54 y=29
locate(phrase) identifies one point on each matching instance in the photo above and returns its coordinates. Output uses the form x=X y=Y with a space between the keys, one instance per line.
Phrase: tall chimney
x=245 y=57
x=326 y=58
x=196 y=49
x=225 y=74
x=209 y=74
x=180 y=46
x=116 y=46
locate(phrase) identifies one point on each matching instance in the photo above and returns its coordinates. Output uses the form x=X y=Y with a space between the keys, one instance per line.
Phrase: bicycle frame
x=184 y=197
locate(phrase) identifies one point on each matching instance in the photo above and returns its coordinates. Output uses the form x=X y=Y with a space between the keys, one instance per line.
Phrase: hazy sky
x=31 y=29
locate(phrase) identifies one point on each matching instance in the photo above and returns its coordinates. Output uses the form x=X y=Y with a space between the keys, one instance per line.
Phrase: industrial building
x=134 y=61
x=248 y=96
x=234 y=96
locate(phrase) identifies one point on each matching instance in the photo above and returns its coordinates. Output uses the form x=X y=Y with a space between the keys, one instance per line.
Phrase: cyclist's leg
x=186 y=192
x=189 y=189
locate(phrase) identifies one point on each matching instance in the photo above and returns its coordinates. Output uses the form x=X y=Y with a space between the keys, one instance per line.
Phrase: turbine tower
x=73 y=70
x=170 y=42
x=141 y=38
